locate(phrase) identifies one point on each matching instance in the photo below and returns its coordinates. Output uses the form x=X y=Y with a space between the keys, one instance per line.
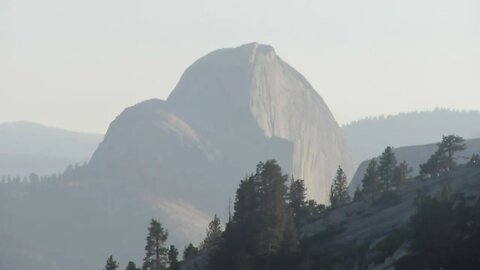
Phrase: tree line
x=270 y=208
x=159 y=256
x=261 y=233
x=384 y=175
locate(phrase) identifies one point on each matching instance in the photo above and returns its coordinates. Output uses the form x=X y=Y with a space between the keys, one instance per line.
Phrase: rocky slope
x=416 y=155
x=367 y=235
x=369 y=231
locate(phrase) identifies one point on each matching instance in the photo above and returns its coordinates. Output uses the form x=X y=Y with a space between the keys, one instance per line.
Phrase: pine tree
x=449 y=146
x=189 y=252
x=339 y=191
x=297 y=200
x=131 y=266
x=274 y=214
x=402 y=174
x=111 y=264
x=155 y=252
x=314 y=208
x=443 y=159
x=371 y=181
x=358 y=195
x=213 y=235
x=386 y=170
x=262 y=233
x=432 y=167
x=474 y=161
x=173 y=263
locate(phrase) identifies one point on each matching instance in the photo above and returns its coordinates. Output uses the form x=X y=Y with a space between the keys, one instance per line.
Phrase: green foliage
x=401 y=175
x=339 y=190
x=172 y=255
x=386 y=170
x=111 y=264
x=383 y=178
x=314 y=208
x=443 y=159
x=358 y=195
x=189 y=252
x=131 y=266
x=371 y=179
x=262 y=233
x=155 y=251
x=432 y=168
x=449 y=146
x=297 y=200
x=213 y=235
x=445 y=234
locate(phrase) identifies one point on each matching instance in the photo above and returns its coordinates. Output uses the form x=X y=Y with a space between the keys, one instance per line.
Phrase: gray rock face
x=416 y=155
x=239 y=97
x=230 y=110
x=367 y=225
x=368 y=235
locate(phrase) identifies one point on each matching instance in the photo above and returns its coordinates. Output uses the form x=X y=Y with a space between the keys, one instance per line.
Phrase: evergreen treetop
x=297 y=199
x=443 y=160
x=155 y=251
x=213 y=235
x=131 y=266
x=339 y=190
x=189 y=251
x=371 y=181
x=172 y=255
x=386 y=170
x=262 y=232
x=111 y=264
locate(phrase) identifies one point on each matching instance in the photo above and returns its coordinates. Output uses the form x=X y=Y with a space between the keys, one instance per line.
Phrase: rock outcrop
x=416 y=155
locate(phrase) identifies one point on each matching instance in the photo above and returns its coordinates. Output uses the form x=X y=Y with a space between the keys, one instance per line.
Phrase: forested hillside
x=27 y=147
x=394 y=221
x=368 y=137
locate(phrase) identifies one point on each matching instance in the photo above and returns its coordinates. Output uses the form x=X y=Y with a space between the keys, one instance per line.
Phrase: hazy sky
x=78 y=64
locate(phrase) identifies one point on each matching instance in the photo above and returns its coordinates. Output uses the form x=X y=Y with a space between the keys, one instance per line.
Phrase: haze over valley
x=206 y=135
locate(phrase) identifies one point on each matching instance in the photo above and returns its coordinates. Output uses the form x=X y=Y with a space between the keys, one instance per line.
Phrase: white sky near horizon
x=78 y=64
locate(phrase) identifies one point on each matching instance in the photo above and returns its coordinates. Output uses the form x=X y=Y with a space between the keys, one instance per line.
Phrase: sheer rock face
x=231 y=109
x=247 y=94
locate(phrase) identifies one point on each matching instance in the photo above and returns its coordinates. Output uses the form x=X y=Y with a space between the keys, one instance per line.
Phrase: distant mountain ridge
x=368 y=137
x=27 y=147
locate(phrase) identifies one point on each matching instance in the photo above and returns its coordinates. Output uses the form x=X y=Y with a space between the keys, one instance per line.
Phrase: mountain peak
x=256 y=48
x=249 y=90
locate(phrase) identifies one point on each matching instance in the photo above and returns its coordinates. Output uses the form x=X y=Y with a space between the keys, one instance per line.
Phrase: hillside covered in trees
x=414 y=156
x=368 y=137
x=27 y=147
x=394 y=221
